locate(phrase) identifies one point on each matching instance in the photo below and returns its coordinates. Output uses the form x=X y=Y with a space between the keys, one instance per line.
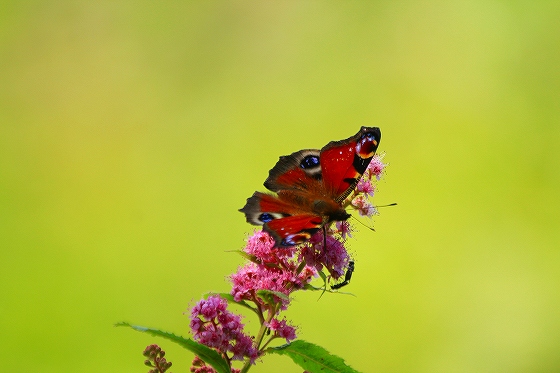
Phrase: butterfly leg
x=324 y=238
x=347 y=276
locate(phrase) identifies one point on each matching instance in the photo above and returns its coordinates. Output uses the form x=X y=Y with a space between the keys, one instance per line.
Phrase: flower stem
x=260 y=336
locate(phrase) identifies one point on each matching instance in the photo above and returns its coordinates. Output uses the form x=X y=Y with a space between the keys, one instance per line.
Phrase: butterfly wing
x=284 y=221
x=343 y=162
x=293 y=230
x=300 y=170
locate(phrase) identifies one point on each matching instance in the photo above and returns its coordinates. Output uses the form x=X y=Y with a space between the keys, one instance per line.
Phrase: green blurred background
x=131 y=132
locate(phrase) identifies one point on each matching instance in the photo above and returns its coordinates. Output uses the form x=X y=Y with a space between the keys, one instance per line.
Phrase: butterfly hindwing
x=283 y=221
x=293 y=230
x=262 y=208
x=343 y=162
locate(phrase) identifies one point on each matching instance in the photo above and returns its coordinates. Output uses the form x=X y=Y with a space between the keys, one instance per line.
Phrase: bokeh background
x=131 y=132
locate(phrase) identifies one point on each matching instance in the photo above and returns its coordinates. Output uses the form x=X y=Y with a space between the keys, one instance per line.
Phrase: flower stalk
x=267 y=280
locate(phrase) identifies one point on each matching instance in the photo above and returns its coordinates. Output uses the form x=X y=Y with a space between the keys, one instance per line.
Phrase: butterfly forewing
x=343 y=162
x=299 y=170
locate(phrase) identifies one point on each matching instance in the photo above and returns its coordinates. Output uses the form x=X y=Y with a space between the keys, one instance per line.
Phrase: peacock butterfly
x=310 y=186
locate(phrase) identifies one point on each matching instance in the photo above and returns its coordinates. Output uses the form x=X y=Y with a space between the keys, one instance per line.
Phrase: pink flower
x=365 y=186
x=344 y=229
x=252 y=277
x=214 y=326
x=364 y=207
x=376 y=166
x=273 y=269
x=244 y=347
x=334 y=258
x=261 y=246
x=282 y=329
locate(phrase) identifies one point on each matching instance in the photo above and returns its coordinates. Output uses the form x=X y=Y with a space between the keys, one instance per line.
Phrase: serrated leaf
x=253 y=258
x=249 y=257
x=301 y=266
x=230 y=299
x=264 y=292
x=324 y=278
x=311 y=287
x=209 y=356
x=313 y=358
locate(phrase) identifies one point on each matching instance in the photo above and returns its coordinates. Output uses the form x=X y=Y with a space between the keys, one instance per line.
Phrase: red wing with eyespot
x=293 y=230
x=344 y=162
x=286 y=222
x=300 y=170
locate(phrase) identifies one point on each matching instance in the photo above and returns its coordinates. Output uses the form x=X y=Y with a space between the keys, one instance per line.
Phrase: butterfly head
x=339 y=215
x=331 y=210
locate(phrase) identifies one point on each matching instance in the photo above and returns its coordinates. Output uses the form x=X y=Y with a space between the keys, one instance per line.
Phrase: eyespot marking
x=367 y=145
x=296 y=238
x=265 y=217
x=310 y=161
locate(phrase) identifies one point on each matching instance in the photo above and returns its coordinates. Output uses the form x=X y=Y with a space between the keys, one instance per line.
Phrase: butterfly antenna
x=368 y=227
x=390 y=204
x=362 y=223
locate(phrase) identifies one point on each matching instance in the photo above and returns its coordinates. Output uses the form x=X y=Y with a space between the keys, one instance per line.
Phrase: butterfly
x=310 y=187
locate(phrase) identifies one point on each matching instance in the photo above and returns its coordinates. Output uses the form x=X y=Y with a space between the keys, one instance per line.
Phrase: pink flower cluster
x=271 y=269
x=375 y=167
x=214 y=326
x=282 y=329
x=365 y=188
x=335 y=258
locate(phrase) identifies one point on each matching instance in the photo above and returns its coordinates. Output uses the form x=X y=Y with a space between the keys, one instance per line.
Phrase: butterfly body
x=310 y=186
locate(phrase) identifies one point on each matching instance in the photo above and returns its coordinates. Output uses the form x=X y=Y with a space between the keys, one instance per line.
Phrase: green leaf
x=264 y=293
x=249 y=257
x=205 y=353
x=301 y=267
x=311 y=287
x=313 y=358
x=324 y=278
x=230 y=299
x=253 y=258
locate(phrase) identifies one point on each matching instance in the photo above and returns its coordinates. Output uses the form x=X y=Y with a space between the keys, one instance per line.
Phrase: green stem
x=260 y=337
